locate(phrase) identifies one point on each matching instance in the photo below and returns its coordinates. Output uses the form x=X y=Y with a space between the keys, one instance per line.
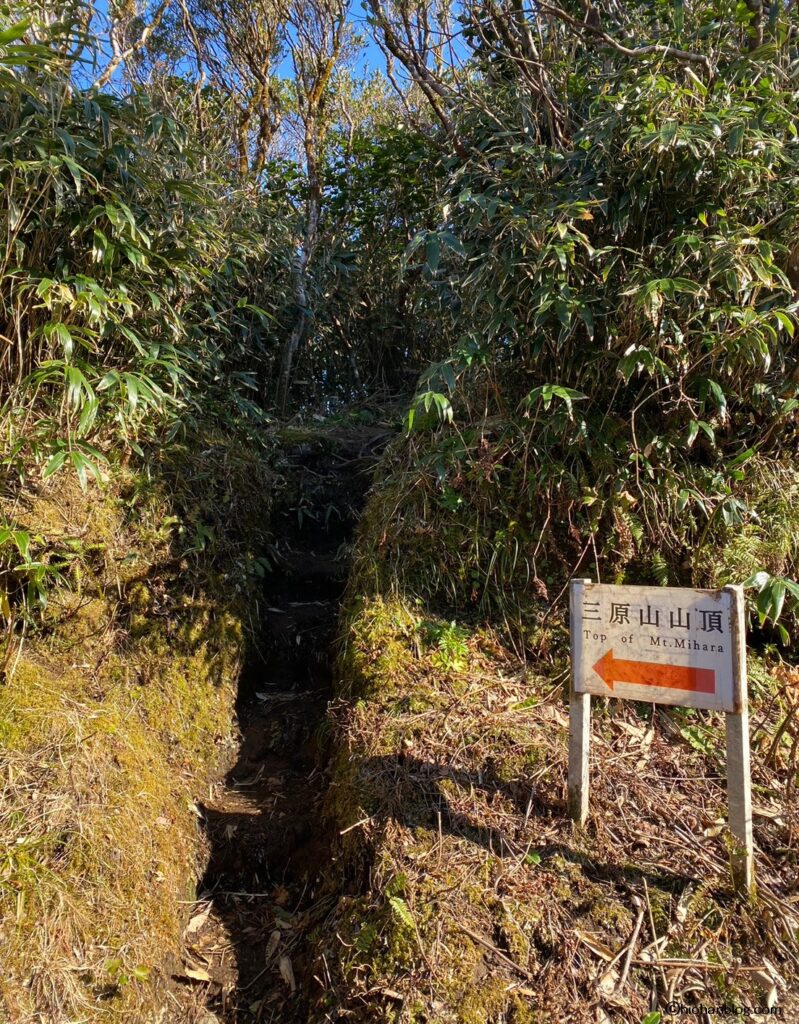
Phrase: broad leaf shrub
x=625 y=381
x=138 y=285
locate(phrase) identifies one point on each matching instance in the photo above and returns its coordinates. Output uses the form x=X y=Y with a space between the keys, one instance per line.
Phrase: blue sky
x=370 y=58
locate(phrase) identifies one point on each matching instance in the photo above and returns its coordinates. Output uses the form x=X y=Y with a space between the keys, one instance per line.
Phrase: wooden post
x=739 y=785
x=579 y=717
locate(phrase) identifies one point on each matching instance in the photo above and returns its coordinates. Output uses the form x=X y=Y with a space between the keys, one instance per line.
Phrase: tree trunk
x=301 y=267
x=298 y=330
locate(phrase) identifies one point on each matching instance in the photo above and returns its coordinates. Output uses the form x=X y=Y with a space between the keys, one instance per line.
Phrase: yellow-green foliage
x=109 y=726
x=467 y=520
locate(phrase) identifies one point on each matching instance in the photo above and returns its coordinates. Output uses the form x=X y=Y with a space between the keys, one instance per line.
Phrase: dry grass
x=472 y=898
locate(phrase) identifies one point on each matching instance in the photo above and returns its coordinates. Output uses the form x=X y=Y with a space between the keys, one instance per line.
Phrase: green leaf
x=451 y=242
x=785 y=320
x=14 y=32
x=778 y=591
x=759 y=580
x=719 y=397
x=66 y=139
x=83 y=467
x=736 y=138
x=54 y=463
x=546 y=392
x=588 y=319
x=61 y=334
x=19 y=538
x=402 y=911
x=77 y=386
x=679 y=16
x=88 y=416
x=76 y=171
x=698 y=737
x=132 y=389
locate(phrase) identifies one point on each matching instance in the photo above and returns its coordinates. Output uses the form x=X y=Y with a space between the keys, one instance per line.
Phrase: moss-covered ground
x=113 y=711
x=455 y=890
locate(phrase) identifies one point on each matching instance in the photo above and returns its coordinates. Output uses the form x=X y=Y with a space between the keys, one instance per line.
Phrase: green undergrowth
x=469 y=896
x=112 y=715
x=486 y=520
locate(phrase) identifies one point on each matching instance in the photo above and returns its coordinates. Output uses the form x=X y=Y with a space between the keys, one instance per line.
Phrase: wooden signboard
x=669 y=646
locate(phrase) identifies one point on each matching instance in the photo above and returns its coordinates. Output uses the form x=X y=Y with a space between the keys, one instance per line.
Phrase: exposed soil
x=247 y=950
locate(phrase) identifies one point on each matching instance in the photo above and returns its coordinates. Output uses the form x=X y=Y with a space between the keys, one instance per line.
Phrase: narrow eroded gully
x=248 y=941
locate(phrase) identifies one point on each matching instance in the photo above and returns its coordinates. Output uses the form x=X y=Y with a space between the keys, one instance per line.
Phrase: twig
x=655 y=939
x=631 y=949
x=349 y=828
x=698 y=965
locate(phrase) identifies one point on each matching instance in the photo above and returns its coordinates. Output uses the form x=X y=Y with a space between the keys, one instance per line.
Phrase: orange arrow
x=644 y=673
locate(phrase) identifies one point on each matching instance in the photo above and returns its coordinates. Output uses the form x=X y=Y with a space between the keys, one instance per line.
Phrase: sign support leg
x=579 y=714
x=579 y=745
x=739 y=789
x=739 y=779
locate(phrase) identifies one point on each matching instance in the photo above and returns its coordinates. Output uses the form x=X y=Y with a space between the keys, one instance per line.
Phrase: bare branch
x=122 y=56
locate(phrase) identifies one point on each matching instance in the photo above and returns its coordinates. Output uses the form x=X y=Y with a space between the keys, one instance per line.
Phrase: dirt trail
x=247 y=949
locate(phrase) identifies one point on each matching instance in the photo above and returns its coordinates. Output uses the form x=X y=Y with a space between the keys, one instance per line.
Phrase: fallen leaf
x=196 y=922
x=681 y=913
x=196 y=974
x=775 y=814
x=769 y=986
x=608 y=982
x=637 y=731
x=775 y=974
x=272 y=944
x=287 y=972
x=595 y=945
x=281 y=896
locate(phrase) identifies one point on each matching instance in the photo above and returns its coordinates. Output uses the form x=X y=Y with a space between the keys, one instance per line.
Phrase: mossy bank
x=115 y=707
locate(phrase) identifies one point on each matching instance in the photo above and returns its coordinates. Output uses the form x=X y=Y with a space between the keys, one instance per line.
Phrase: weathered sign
x=669 y=646
x=660 y=644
